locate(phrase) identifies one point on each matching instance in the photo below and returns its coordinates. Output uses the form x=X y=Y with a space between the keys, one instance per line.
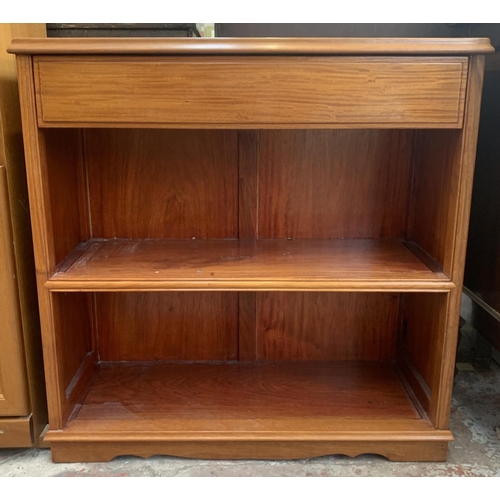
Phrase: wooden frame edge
x=413 y=451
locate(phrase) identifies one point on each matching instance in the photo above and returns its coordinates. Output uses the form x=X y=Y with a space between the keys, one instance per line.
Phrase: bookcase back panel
x=326 y=326
x=163 y=183
x=333 y=183
x=220 y=326
x=167 y=326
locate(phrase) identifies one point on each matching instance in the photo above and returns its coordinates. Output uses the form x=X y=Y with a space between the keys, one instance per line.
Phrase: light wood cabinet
x=23 y=413
x=250 y=248
x=13 y=398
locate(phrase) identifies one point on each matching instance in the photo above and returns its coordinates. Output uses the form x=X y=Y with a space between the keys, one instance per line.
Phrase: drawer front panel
x=263 y=92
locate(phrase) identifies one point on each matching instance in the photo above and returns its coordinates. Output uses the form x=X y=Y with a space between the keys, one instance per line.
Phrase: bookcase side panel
x=434 y=201
x=420 y=344
x=444 y=171
x=63 y=159
x=64 y=332
x=467 y=164
x=73 y=325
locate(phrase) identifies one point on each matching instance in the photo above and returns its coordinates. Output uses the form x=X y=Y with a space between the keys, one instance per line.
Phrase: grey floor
x=475 y=422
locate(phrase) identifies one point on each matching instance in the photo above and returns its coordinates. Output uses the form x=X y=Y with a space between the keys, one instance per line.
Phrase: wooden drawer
x=265 y=92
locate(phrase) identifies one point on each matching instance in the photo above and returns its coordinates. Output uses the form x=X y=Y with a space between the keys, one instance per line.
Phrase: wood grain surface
x=237 y=429
x=446 y=365
x=448 y=216
x=248 y=174
x=247 y=326
x=238 y=410
x=259 y=212
x=250 y=46
x=327 y=326
x=63 y=157
x=15 y=432
x=204 y=91
x=243 y=264
x=434 y=449
x=13 y=383
x=425 y=319
x=72 y=324
x=12 y=158
x=167 y=326
x=333 y=184
x=435 y=200
x=171 y=391
x=43 y=244
x=163 y=184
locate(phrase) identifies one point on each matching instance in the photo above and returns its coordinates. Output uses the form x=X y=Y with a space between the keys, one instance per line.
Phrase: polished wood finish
x=247 y=326
x=326 y=326
x=274 y=264
x=435 y=173
x=400 y=450
x=450 y=216
x=167 y=326
x=246 y=408
x=308 y=181
x=422 y=345
x=453 y=219
x=415 y=381
x=72 y=320
x=45 y=244
x=13 y=393
x=281 y=429
x=251 y=46
x=184 y=184
x=469 y=135
x=425 y=318
x=62 y=150
x=15 y=432
x=233 y=352
x=248 y=175
x=22 y=386
x=244 y=392
x=311 y=91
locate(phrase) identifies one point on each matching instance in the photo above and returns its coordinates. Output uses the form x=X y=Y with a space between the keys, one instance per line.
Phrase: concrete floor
x=475 y=422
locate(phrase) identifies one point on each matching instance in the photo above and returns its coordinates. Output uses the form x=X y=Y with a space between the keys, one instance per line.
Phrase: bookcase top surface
x=253 y=46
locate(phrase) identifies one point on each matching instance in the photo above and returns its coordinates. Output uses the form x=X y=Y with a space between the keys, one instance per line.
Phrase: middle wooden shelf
x=232 y=264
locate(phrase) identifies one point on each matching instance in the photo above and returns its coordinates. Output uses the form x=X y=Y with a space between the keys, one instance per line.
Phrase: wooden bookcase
x=250 y=248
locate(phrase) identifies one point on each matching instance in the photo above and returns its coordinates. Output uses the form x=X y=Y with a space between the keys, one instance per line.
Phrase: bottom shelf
x=248 y=410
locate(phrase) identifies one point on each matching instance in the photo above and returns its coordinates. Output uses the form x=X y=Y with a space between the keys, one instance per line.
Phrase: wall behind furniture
x=334 y=30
